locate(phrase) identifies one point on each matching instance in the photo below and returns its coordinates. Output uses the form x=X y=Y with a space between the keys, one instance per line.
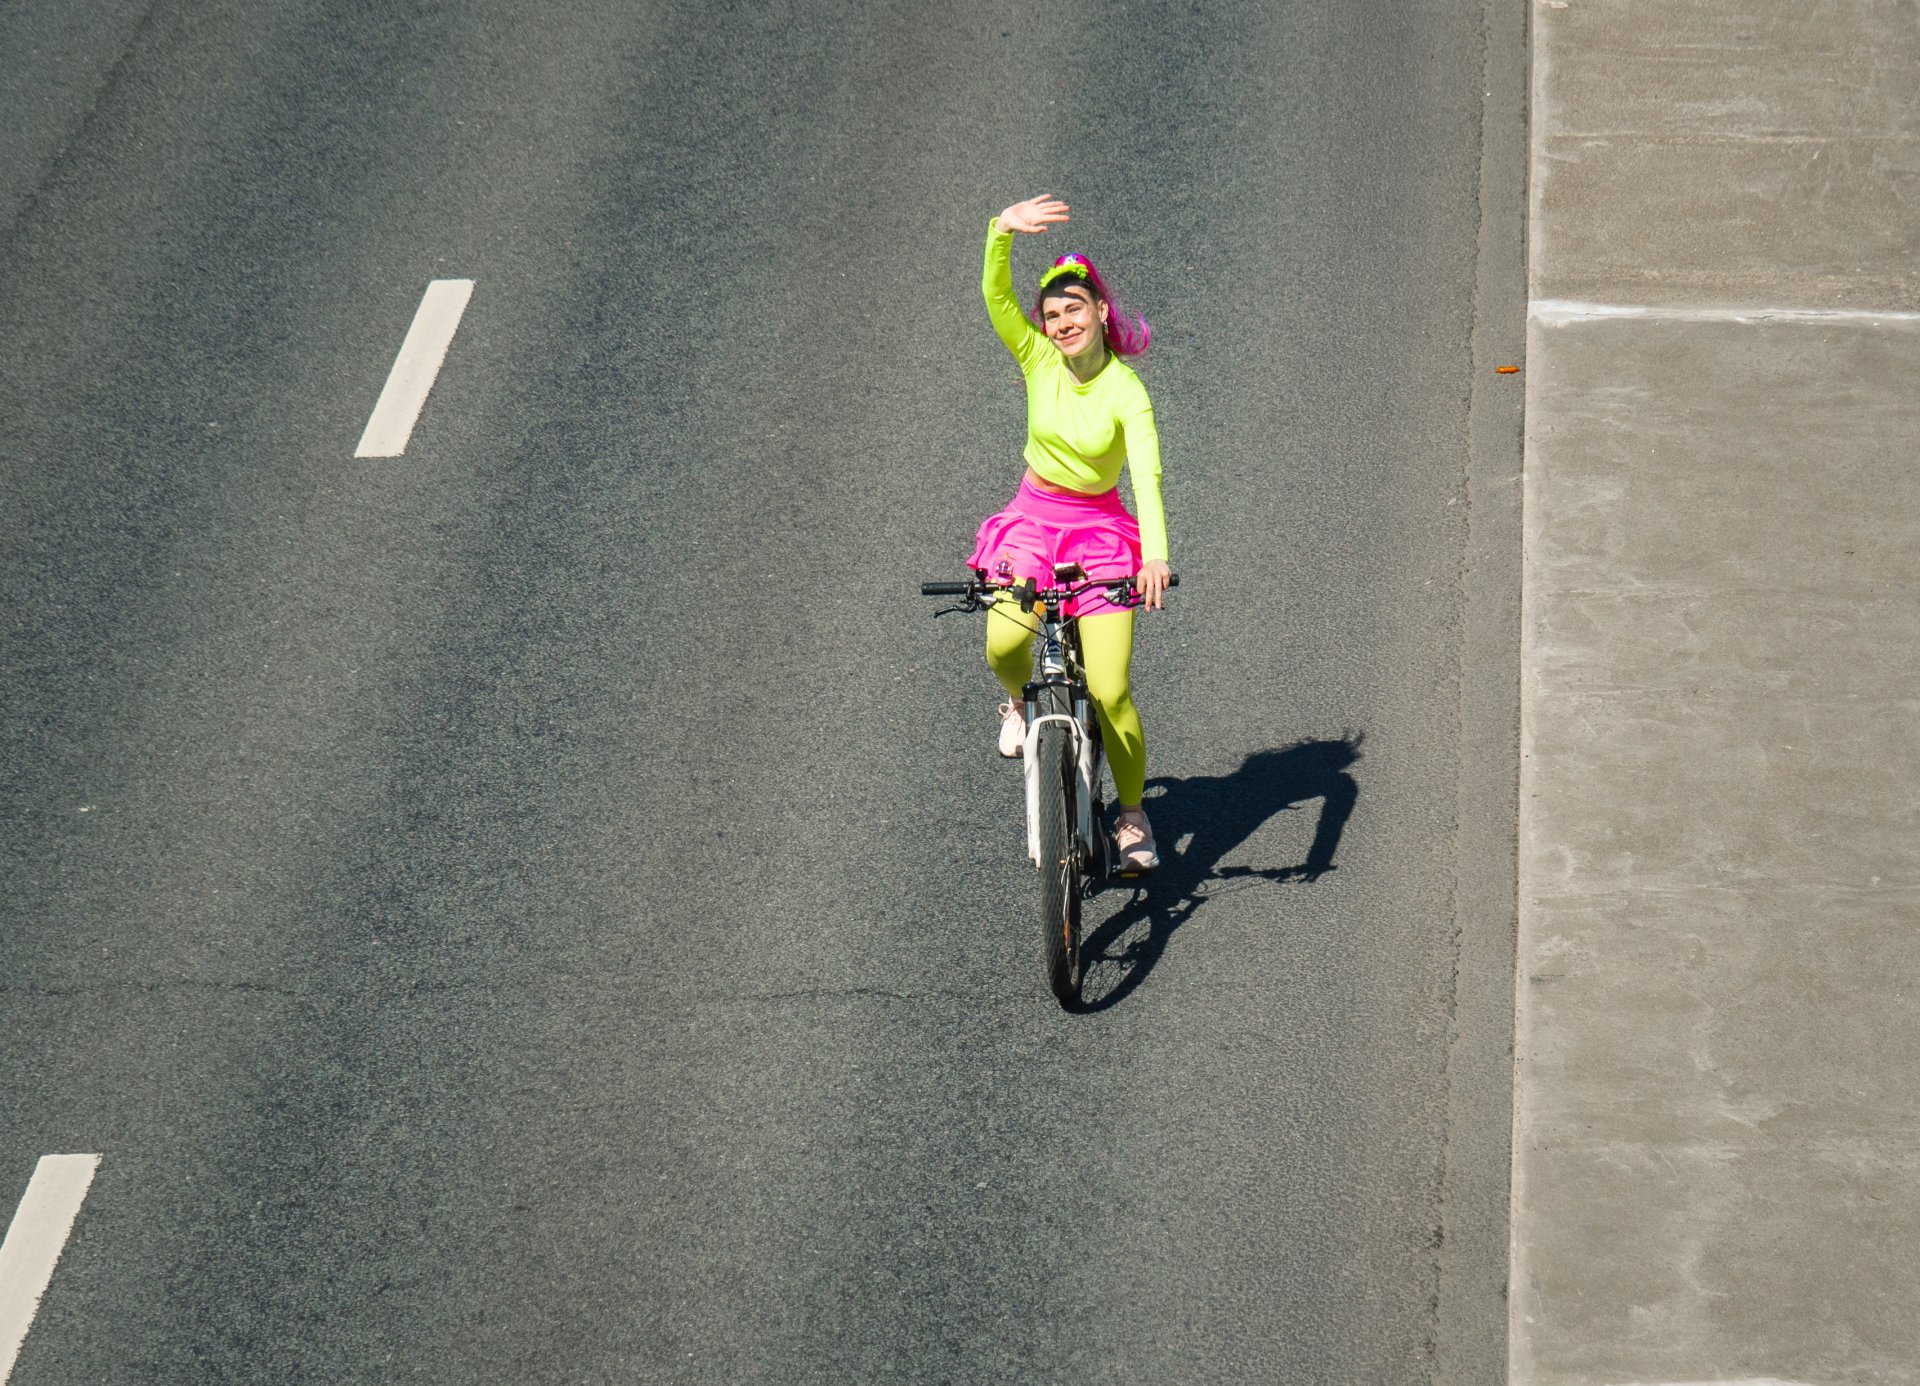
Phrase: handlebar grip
x=1173 y=579
x=945 y=589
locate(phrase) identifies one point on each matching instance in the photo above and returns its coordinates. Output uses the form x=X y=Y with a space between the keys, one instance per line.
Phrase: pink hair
x=1127 y=333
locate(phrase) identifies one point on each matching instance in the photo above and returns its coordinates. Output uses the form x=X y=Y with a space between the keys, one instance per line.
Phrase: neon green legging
x=1106 y=644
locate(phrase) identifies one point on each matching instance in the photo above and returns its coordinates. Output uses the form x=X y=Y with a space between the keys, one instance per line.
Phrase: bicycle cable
x=979 y=604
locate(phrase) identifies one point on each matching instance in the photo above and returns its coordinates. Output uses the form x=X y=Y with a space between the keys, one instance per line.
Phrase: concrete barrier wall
x=1717 y=1110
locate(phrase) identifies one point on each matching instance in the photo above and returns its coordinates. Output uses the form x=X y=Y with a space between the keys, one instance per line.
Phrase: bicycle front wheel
x=1055 y=766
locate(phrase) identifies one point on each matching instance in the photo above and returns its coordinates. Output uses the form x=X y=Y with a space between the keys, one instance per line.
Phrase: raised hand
x=1035 y=214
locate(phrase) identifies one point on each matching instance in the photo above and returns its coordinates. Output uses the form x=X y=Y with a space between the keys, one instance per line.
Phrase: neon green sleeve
x=1143 y=470
x=996 y=286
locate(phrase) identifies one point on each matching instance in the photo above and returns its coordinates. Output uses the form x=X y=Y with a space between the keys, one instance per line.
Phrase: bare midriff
x=1040 y=483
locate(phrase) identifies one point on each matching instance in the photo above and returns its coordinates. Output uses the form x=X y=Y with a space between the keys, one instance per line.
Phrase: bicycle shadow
x=1221 y=811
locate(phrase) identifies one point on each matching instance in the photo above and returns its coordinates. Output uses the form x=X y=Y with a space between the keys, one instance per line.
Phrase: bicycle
x=1067 y=835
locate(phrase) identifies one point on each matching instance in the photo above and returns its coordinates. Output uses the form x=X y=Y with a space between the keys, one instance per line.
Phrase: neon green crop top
x=1078 y=435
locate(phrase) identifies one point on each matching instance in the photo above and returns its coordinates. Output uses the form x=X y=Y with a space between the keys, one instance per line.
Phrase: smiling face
x=1074 y=319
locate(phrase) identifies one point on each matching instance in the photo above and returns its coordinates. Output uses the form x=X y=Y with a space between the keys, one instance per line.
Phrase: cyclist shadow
x=1221 y=812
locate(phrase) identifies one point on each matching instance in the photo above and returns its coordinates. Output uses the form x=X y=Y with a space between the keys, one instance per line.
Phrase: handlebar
x=974 y=589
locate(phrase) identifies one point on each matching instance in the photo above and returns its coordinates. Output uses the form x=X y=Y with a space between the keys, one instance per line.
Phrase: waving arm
x=1034 y=215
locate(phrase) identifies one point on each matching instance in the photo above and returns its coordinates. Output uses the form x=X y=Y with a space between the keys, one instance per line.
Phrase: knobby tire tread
x=1059 y=859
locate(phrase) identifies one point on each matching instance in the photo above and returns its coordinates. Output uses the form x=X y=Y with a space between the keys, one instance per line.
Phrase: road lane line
x=415 y=369
x=34 y=1242
x=1559 y=312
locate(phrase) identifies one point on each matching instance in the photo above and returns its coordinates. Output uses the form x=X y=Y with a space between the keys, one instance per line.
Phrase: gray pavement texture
x=545 y=908
x=1715 y=1169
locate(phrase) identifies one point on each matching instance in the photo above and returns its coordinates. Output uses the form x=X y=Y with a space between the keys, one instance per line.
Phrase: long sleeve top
x=1078 y=433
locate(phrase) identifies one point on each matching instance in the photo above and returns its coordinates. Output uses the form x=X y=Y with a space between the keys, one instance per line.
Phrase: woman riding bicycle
x=1087 y=413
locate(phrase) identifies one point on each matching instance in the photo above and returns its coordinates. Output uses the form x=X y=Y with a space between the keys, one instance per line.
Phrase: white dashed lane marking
x=415 y=369
x=34 y=1242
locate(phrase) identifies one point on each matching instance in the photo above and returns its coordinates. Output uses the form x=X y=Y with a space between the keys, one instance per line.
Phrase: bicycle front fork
x=1088 y=821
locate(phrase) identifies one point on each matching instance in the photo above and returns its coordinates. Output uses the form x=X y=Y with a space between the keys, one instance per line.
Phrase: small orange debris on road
x=1506 y=370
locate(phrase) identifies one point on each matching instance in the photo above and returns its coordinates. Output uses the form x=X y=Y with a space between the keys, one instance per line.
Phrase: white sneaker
x=1013 y=728
x=1133 y=842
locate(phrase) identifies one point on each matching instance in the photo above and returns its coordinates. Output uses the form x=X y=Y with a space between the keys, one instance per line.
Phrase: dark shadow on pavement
x=1221 y=812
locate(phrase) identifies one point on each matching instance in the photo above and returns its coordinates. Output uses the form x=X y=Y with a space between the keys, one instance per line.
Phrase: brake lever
x=971 y=602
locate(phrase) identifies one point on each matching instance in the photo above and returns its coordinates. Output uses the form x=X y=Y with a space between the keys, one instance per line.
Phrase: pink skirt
x=1042 y=528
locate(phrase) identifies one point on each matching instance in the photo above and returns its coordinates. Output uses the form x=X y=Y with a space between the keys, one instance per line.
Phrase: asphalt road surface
x=545 y=907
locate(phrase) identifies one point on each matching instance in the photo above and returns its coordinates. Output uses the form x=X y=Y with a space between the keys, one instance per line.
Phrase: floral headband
x=1064 y=266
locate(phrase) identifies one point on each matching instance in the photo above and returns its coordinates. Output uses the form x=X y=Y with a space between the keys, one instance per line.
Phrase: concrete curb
x=1715 y=1174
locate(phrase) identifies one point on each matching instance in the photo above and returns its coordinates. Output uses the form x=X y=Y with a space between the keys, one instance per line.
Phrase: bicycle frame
x=1077 y=849
x=1060 y=668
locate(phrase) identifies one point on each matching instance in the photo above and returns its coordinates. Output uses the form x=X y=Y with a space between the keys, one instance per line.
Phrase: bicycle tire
x=1058 y=774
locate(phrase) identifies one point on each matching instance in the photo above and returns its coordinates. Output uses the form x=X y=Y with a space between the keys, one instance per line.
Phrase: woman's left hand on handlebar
x=1152 y=582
